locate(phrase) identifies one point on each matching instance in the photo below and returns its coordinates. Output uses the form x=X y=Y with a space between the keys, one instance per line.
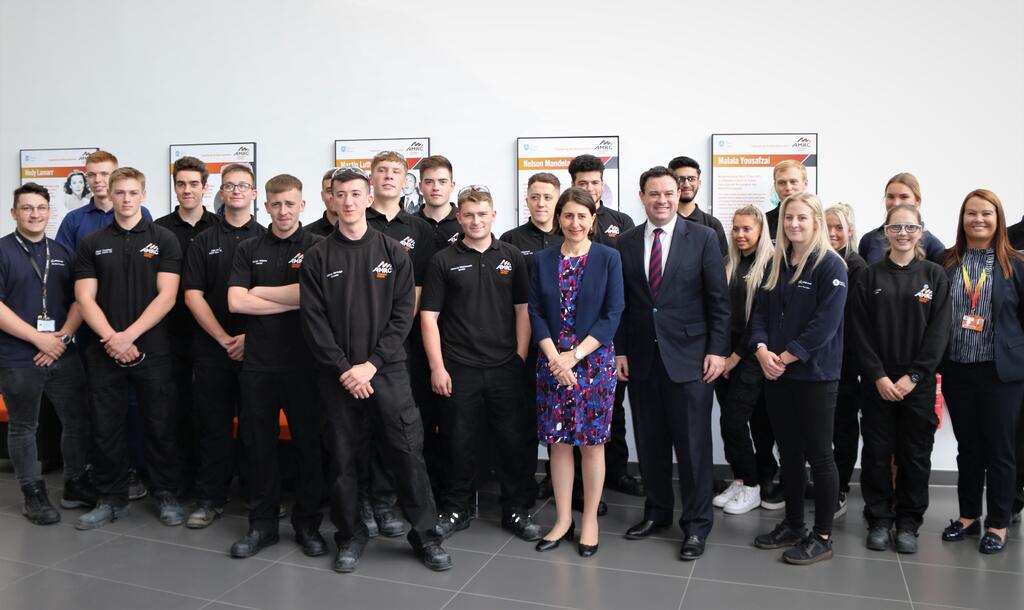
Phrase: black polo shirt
x=208 y=265
x=180 y=322
x=610 y=224
x=531 y=239
x=1016 y=235
x=414 y=234
x=701 y=217
x=21 y=290
x=447 y=231
x=273 y=342
x=322 y=227
x=125 y=262
x=476 y=293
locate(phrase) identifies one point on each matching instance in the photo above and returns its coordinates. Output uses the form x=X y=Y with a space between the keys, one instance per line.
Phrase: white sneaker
x=745 y=501
x=730 y=492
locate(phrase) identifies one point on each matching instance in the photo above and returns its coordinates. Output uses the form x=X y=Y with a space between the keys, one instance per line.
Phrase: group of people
x=404 y=349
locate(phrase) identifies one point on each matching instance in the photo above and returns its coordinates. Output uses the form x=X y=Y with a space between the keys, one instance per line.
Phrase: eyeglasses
x=900 y=228
x=241 y=187
x=687 y=179
x=28 y=209
x=474 y=188
x=349 y=172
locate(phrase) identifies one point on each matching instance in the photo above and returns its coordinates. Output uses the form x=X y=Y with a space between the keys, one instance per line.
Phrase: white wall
x=935 y=88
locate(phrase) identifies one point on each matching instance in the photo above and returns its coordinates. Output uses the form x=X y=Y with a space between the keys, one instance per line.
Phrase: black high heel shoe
x=586 y=550
x=544 y=545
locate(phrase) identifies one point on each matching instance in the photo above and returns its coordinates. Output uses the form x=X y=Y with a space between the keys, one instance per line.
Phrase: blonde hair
x=819 y=247
x=908 y=180
x=762 y=256
x=789 y=164
x=844 y=212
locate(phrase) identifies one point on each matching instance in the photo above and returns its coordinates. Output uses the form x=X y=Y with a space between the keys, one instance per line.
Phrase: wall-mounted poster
x=62 y=172
x=215 y=156
x=553 y=155
x=742 y=164
x=360 y=153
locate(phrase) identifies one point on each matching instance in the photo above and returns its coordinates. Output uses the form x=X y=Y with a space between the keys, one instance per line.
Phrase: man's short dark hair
x=190 y=164
x=436 y=162
x=546 y=178
x=655 y=172
x=678 y=162
x=585 y=163
x=348 y=174
x=30 y=188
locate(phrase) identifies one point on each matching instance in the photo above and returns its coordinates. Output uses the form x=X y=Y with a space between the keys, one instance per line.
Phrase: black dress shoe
x=389 y=524
x=522 y=525
x=956 y=531
x=348 y=556
x=435 y=558
x=311 y=542
x=693 y=547
x=586 y=550
x=644 y=529
x=449 y=523
x=252 y=543
x=991 y=544
x=627 y=484
x=544 y=545
x=577 y=505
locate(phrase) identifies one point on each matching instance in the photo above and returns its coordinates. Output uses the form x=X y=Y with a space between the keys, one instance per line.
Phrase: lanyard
x=42 y=274
x=976 y=294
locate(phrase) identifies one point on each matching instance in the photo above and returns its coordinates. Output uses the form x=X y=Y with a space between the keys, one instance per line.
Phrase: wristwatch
x=578 y=354
x=67 y=339
x=758 y=347
x=915 y=377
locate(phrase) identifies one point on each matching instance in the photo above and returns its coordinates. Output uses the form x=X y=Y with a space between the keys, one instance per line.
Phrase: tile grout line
x=687 y=587
x=522 y=601
x=40 y=570
x=254 y=575
x=136 y=585
x=777 y=588
x=367 y=577
x=903 y=574
x=596 y=567
x=486 y=563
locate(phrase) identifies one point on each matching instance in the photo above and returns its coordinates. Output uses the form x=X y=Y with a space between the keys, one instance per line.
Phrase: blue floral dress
x=580 y=415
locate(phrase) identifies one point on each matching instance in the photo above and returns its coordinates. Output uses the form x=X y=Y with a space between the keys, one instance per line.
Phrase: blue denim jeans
x=23 y=388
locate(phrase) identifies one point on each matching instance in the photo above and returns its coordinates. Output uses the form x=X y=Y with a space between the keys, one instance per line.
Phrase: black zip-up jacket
x=739 y=323
x=805 y=318
x=855 y=266
x=902 y=319
x=357 y=301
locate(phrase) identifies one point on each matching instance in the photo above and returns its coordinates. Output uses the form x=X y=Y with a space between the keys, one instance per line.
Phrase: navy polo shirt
x=22 y=292
x=125 y=262
x=84 y=220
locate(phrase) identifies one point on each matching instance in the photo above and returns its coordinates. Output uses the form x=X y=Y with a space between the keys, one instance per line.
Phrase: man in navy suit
x=671 y=346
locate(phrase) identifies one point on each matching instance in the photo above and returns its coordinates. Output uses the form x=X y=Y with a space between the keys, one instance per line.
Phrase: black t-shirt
x=530 y=239
x=21 y=290
x=321 y=227
x=415 y=235
x=739 y=325
x=610 y=224
x=180 y=322
x=273 y=342
x=447 y=231
x=476 y=293
x=208 y=268
x=125 y=263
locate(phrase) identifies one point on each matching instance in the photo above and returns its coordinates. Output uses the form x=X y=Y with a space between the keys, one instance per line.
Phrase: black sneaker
x=521 y=524
x=79 y=493
x=136 y=488
x=772 y=497
x=841 y=507
x=449 y=523
x=435 y=558
x=389 y=524
x=781 y=536
x=348 y=556
x=37 y=508
x=811 y=549
x=905 y=541
x=878 y=538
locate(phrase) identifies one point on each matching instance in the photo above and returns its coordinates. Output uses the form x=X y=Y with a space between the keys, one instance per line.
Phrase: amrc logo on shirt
x=504 y=267
x=613 y=231
x=382 y=270
x=408 y=243
x=925 y=294
x=150 y=250
x=296 y=261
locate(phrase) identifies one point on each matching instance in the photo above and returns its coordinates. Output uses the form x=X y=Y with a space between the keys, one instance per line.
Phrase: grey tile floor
x=139 y=564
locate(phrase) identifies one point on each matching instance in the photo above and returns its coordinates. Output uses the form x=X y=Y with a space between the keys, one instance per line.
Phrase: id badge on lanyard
x=44 y=323
x=971 y=320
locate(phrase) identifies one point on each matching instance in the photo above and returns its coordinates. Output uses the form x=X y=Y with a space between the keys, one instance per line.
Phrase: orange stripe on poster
x=49 y=172
x=363 y=164
x=545 y=163
x=215 y=168
x=754 y=160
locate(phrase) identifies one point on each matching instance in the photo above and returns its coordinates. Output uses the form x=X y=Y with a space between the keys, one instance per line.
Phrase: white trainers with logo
x=730 y=492
x=745 y=501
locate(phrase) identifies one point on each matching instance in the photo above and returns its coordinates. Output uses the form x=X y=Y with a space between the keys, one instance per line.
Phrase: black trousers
x=675 y=415
x=985 y=413
x=803 y=416
x=905 y=429
x=748 y=448
x=1018 y=501
x=264 y=395
x=153 y=383
x=188 y=433
x=391 y=411
x=486 y=403
x=846 y=432
x=616 y=450
x=429 y=405
x=217 y=398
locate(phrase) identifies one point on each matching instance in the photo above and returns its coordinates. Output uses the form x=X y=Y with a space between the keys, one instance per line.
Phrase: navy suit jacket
x=598 y=301
x=1008 y=317
x=690 y=317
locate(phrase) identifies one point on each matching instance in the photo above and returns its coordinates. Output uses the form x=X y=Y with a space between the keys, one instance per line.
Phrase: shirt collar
x=139 y=227
x=451 y=214
x=462 y=247
x=293 y=238
x=402 y=216
x=669 y=228
x=227 y=227
x=207 y=217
